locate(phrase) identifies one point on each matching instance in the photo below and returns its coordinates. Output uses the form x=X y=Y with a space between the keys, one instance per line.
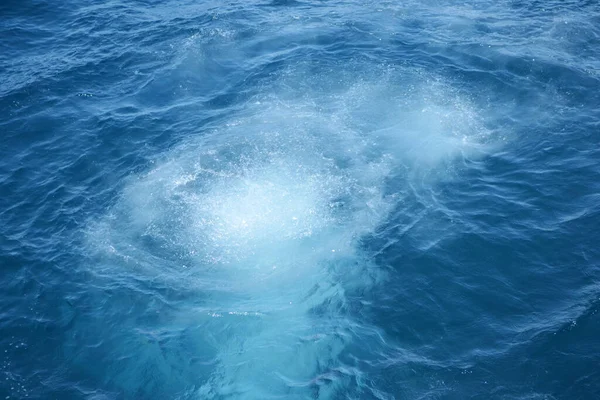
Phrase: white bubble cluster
x=271 y=207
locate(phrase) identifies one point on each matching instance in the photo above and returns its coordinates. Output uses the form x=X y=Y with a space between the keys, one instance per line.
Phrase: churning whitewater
x=268 y=217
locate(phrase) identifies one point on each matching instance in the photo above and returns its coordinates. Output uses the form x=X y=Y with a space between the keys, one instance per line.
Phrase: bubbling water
x=270 y=212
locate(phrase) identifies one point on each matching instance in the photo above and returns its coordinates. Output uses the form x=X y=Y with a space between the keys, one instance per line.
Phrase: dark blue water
x=299 y=200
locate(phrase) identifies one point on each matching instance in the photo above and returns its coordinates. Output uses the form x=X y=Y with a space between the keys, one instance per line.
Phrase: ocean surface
x=300 y=199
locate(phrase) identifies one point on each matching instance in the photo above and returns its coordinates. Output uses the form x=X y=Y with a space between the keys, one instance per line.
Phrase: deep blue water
x=300 y=200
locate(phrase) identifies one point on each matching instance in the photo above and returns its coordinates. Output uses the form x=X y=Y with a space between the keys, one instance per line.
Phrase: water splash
x=269 y=213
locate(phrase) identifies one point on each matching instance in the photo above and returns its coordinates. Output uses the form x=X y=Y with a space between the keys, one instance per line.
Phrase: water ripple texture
x=299 y=200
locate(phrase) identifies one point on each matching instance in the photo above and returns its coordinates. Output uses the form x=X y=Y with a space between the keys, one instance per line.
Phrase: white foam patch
x=265 y=206
x=271 y=209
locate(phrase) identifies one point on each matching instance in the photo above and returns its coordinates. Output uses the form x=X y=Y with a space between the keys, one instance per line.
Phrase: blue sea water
x=300 y=199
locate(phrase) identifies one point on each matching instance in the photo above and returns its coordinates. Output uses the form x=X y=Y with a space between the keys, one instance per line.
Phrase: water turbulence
x=266 y=218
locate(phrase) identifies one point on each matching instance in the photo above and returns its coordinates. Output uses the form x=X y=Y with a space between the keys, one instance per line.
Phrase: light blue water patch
x=270 y=212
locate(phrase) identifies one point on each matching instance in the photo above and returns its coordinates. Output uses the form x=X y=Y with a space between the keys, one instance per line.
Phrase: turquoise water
x=299 y=200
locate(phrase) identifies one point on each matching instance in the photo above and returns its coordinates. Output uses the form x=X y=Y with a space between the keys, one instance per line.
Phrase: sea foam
x=271 y=211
